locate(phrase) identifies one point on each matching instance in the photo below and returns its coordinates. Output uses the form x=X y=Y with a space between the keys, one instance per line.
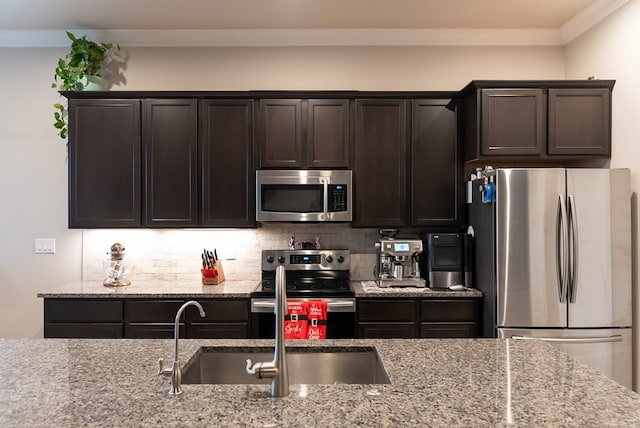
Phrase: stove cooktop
x=309 y=273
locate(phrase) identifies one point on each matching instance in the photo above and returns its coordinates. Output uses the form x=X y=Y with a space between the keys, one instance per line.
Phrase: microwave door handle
x=325 y=198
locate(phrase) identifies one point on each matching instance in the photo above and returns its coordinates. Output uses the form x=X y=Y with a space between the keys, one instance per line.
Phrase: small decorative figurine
x=292 y=243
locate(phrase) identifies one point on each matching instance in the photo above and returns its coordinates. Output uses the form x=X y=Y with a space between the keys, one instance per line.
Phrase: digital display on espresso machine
x=401 y=247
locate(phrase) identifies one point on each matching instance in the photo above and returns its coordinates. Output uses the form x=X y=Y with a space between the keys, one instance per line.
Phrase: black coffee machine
x=447 y=259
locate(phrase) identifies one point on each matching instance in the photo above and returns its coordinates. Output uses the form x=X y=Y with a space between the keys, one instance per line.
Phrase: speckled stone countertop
x=154 y=289
x=369 y=289
x=439 y=383
x=227 y=289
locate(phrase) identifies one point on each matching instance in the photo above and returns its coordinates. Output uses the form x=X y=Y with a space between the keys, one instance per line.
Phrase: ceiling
x=301 y=22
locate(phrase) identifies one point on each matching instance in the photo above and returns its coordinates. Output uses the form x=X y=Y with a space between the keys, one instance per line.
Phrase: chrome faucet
x=174 y=373
x=276 y=370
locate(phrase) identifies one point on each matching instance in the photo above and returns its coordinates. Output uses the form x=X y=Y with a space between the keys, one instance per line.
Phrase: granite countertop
x=228 y=289
x=370 y=289
x=440 y=383
x=154 y=289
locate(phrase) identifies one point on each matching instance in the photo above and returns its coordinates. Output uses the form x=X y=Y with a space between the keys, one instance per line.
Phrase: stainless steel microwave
x=303 y=195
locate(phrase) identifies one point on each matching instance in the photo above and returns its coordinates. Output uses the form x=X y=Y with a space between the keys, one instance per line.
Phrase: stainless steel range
x=310 y=275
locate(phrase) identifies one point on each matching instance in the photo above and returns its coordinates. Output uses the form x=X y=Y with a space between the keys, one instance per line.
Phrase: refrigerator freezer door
x=605 y=350
x=600 y=295
x=528 y=248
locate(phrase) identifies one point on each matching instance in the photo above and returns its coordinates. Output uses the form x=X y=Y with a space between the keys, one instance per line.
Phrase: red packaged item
x=317 y=319
x=295 y=322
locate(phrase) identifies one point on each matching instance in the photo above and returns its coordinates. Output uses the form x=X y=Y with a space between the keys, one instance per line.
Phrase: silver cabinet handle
x=600 y=339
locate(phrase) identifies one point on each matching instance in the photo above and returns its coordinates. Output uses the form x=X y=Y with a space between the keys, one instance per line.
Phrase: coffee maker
x=398 y=262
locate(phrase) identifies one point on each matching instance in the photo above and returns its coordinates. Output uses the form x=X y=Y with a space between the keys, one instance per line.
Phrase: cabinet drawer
x=449 y=330
x=83 y=310
x=222 y=310
x=450 y=310
x=84 y=330
x=219 y=331
x=153 y=331
x=154 y=310
x=386 y=330
x=386 y=310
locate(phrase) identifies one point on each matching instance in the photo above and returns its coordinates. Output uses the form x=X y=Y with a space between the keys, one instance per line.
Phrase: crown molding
x=290 y=37
x=588 y=18
x=582 y=22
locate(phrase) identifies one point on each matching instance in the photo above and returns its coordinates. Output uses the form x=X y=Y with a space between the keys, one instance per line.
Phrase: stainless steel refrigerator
x=553 y=258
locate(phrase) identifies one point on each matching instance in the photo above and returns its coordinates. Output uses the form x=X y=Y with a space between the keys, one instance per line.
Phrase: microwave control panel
x=337 y=197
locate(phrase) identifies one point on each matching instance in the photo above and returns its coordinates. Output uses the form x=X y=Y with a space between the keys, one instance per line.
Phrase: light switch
x=45 y=246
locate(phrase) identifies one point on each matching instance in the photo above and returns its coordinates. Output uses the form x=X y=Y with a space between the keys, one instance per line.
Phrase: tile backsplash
x=170 y=254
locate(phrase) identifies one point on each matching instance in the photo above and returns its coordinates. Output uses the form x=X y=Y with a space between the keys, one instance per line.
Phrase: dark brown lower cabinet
x=386 y=330
x=84 y=330
x=425 y=318
x=83 y=318
x=144 y=318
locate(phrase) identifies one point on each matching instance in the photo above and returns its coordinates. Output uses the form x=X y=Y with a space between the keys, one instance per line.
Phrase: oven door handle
x=336 y=305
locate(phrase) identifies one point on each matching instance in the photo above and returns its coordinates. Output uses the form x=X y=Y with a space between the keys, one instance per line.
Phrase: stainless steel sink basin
x=307 y=365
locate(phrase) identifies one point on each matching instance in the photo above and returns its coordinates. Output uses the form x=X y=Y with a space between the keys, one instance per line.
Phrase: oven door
x=341 y=317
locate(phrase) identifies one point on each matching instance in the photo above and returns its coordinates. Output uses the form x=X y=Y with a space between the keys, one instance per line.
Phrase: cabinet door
x=436 y=167
x=279 y=133
x=579 y=122
x=169 y=135
x=380 y=176
x=513 y=122
x=226 y=147
x=104 y=163
x=328 y=134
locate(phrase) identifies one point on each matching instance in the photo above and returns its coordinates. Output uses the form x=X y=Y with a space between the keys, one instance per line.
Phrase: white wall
x=611 y=51
x=33 y=164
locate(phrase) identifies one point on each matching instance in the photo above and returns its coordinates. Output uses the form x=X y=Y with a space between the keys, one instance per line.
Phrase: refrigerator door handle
x=562 y=262
x=600 y=339
x=573 y=250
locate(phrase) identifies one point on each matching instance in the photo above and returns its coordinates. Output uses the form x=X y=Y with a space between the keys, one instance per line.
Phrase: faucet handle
x=161 y=369
x=250 y=368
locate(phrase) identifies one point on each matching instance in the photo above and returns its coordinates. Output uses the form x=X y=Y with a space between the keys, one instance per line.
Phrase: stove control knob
x=329 y=259
x=281 y=259
x=269 y=259
x=340 y=259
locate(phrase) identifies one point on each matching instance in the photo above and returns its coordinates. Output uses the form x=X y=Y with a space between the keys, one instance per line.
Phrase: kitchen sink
x=307 y=365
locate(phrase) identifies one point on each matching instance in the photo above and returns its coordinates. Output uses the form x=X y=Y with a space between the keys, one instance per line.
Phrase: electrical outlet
x=45 y=246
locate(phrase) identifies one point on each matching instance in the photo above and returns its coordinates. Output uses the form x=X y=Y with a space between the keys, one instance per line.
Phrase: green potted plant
x=79 y=70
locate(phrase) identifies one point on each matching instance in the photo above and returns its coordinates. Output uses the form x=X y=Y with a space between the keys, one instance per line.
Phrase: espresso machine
x=399 y=262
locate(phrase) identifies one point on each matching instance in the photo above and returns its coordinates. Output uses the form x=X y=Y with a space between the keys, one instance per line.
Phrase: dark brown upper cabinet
x=380 y=173
x=512 y=122
x=327 y=133
x=104 y=163
x=437 y=197
x=170 y=147
x=226 y=153
x=303 y=133
x=538 y=121
x=580 y=122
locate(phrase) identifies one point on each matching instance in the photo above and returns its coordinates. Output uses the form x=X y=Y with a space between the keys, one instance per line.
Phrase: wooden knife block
x=214 y=280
